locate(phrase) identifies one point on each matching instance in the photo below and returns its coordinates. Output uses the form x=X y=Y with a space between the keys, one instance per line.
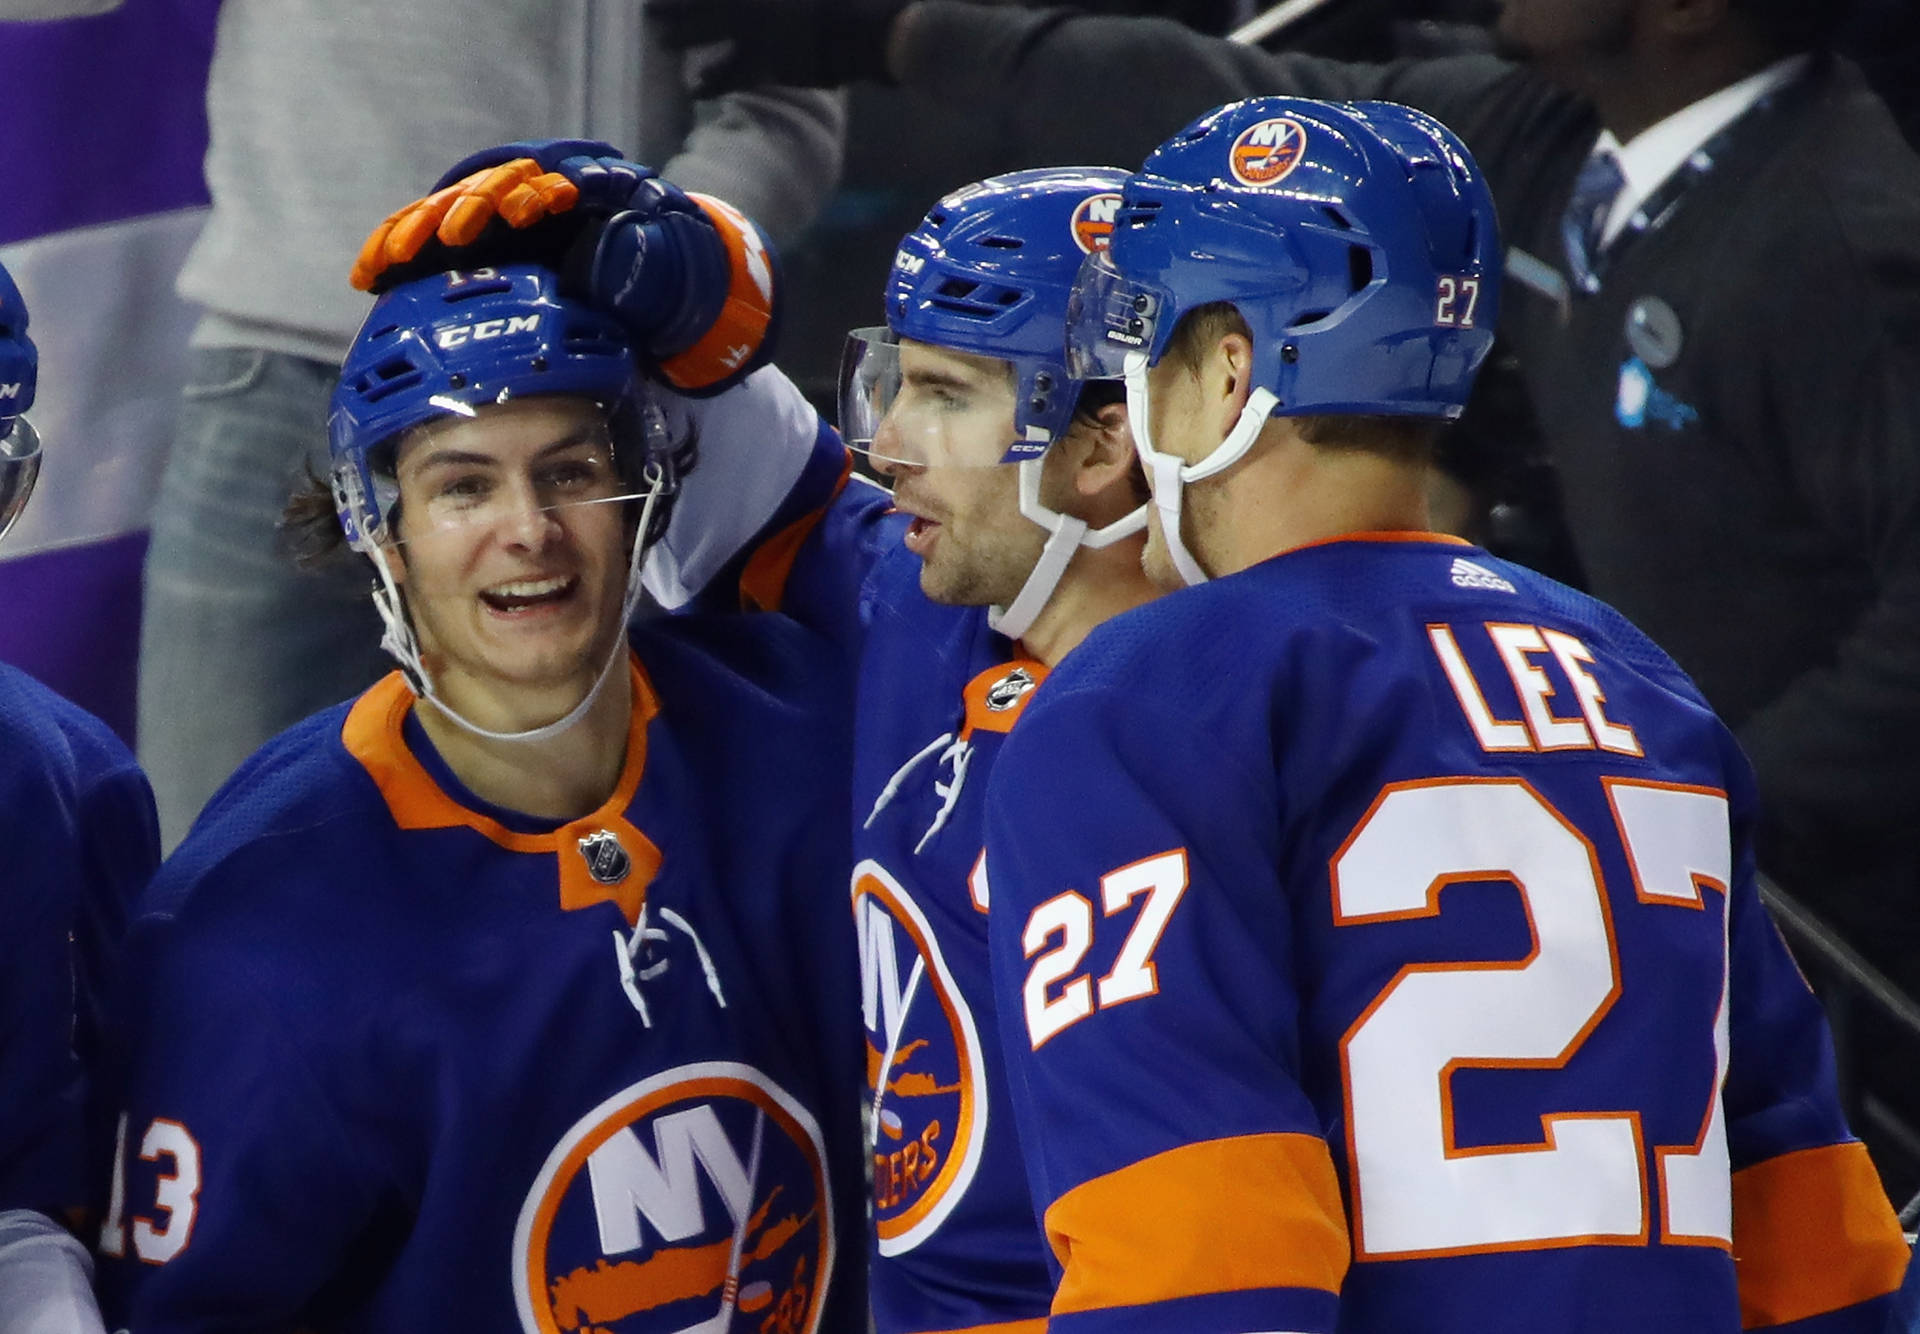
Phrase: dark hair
x=1403 y=439
x=309 y=526
x=1794 y=26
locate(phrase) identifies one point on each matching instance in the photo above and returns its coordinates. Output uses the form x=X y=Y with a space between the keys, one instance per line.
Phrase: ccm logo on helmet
x=1267 y=153
x=459 y=334
x=1093 y=221
x=909 y=264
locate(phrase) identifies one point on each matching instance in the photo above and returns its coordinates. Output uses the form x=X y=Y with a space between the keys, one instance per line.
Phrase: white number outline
x=1069 y=916
x=1452 y=289
x=177 y=1194
x=1706 y=1189
x=1134 y=976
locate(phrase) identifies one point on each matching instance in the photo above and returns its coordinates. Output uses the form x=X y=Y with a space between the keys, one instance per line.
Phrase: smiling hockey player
x=516 y=994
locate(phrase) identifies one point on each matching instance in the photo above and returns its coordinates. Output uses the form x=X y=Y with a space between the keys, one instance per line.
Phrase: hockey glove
x=811 y=43
x=19 y=361
x=690 y=279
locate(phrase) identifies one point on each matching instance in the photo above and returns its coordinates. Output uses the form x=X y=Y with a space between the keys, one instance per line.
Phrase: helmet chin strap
x=1169 y=473
x=400 y=640
x=1065 y=535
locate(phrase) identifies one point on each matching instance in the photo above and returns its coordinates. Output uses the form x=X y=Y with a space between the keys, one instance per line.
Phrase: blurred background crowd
x=186 y=183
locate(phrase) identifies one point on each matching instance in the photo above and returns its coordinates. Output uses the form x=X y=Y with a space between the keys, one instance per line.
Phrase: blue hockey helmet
x=19 y=364
x=1358 y=240
x=449 y=344
x=989 y=271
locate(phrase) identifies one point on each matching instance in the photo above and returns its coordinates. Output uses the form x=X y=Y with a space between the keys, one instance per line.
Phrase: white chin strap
x=400 y=641
x=1168 y=474
x=1065 y=535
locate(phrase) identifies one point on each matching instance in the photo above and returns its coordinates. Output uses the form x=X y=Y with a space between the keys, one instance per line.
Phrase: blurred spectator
x=1722 y=346
x=325 y=115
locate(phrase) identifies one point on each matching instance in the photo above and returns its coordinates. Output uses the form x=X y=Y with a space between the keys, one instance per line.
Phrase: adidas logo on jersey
x=1468 y=575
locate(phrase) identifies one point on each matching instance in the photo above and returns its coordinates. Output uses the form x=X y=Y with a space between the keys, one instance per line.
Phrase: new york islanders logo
x=925 y=1075
x=690 y=1202
x=1267 y=153
x=1093 y=221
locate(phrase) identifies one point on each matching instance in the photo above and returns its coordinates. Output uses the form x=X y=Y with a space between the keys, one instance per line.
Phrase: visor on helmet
x=915 y=413
x=1109 y=316
x=19 y=466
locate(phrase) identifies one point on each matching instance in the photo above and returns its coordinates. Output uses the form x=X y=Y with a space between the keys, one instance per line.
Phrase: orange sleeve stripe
x=1228 y=1215
x=763 y=583
x=1812 y=1233
x=740 y=328
x=1036 y=1326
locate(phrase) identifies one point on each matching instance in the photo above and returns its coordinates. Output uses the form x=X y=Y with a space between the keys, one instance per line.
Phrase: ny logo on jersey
x=690 y=1196
x=925 y=1070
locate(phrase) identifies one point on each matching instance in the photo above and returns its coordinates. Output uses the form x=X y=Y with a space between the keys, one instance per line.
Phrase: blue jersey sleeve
x=237 y=1192
x=83 y=841
x=1176 y=1161
x=1816 y=1245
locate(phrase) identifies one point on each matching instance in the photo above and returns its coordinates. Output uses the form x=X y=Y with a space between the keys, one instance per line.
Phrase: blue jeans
x=236 y=644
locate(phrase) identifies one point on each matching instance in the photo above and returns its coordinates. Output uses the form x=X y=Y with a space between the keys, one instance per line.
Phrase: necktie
x=1594 y=190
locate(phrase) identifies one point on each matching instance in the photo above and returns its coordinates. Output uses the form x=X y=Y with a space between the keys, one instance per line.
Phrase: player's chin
x=1156 y=562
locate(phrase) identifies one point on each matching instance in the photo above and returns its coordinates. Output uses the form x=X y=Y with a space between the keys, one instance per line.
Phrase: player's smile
x=514 y=569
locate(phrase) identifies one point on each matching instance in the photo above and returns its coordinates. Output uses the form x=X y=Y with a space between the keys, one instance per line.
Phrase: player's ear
x=1228 y=379
x=1109 y=448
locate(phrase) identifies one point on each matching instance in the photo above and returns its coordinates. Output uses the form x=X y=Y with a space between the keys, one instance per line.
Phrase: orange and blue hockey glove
x=690 y=278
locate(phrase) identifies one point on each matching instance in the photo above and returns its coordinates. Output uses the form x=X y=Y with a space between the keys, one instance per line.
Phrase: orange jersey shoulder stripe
x=763 y=583
x=1005 y=1327
x=1227 y=1215
x=1813 y=1232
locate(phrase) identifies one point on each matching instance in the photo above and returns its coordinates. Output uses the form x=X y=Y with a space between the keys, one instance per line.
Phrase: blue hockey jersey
x=81 y=842
x=1379 y=951
x=397 y=1061
x=956 y=1244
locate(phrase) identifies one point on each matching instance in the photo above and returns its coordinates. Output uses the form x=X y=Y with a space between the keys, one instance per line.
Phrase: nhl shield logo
x=607 y=861
x=1008 y=690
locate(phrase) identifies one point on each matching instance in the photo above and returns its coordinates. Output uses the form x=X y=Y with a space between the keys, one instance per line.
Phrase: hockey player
x=1018 y=530
x=515 y=994
x=1375 y=920
x=81 y=840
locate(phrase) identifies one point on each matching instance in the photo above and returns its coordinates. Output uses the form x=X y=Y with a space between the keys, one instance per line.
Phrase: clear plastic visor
x=461 y=477
x=1109 y=316
x=917 y=406
x=19 y=466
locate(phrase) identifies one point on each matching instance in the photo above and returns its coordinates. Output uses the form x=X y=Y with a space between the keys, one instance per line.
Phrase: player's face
x=975 y=548
x=512 y=554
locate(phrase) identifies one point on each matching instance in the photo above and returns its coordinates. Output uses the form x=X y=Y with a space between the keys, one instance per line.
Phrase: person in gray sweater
x=325 y=115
